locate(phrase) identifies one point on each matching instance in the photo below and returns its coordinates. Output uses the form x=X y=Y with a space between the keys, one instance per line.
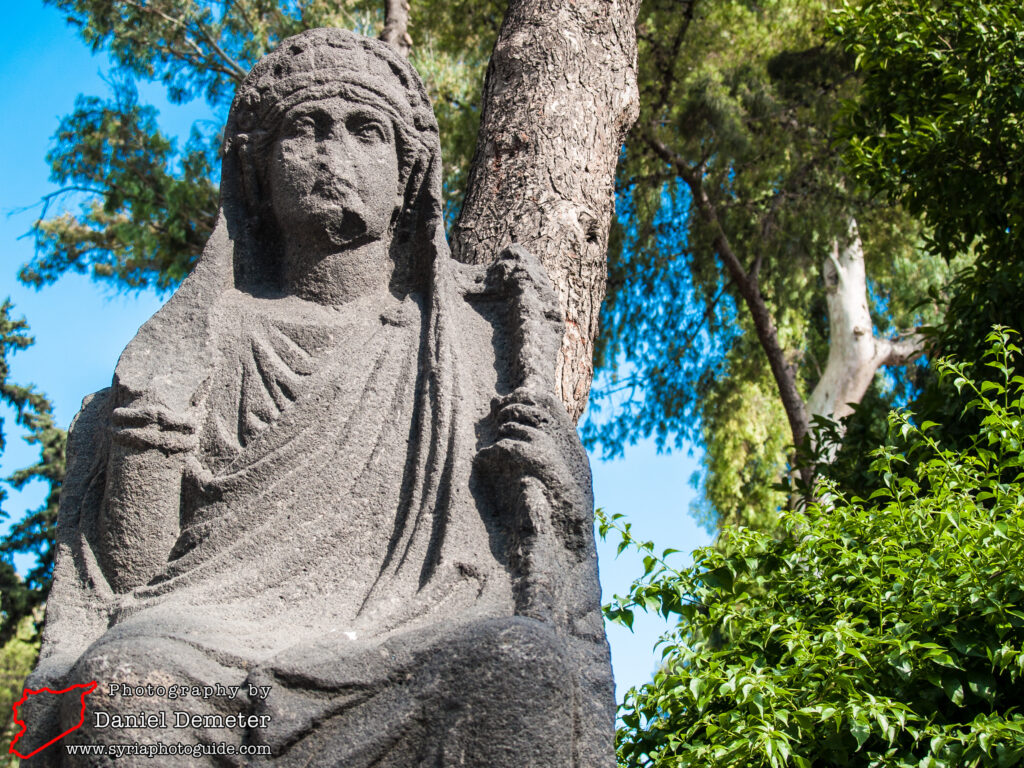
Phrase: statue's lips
x=337 y=207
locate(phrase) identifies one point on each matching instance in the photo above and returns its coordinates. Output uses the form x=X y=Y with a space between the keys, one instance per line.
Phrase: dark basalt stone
x=331 y=483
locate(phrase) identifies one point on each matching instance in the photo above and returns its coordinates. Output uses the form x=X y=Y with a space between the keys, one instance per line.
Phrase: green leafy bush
x=937 y=126
x=886 y=631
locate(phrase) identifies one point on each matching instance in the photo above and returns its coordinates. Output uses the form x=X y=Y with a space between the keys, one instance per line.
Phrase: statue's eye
x=368 y=129
x=302 y=126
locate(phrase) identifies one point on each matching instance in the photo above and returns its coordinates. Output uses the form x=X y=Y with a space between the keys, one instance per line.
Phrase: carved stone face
x=333 y=174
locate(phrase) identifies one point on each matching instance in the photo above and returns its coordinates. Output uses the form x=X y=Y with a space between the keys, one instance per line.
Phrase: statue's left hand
x=540 y=483
x=536 y=438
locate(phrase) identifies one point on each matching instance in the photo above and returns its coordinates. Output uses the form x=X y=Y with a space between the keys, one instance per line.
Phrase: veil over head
x=244 y=251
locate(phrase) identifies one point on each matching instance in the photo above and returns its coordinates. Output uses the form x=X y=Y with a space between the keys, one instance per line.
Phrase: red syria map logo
x=86 y=689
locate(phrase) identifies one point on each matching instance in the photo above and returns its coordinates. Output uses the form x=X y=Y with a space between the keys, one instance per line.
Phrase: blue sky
x=81 y=327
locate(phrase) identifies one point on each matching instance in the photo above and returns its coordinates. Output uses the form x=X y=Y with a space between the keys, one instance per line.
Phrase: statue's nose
x=337 y=146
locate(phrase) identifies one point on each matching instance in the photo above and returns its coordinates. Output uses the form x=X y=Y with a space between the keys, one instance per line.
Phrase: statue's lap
x=413 y=693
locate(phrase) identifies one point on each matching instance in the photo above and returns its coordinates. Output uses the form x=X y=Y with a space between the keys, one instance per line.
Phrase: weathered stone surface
x=331 y=482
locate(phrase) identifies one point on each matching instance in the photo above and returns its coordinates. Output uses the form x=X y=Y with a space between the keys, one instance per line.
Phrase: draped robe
x=335 y=534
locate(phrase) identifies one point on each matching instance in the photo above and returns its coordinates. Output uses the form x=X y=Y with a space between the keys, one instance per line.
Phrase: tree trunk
x=396 y=26
x=854 y=353
x=559 y=97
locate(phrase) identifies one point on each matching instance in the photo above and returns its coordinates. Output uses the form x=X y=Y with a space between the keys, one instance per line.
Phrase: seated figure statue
x=331 y=480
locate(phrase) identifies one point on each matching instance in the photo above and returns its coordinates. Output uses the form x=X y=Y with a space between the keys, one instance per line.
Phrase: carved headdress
x=321 y=64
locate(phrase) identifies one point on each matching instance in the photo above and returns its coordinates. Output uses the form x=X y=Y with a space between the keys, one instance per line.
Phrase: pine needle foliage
x=739 y=101
x=20 y=597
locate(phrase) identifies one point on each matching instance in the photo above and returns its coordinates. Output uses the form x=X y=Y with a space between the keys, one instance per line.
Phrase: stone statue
x=331 y=482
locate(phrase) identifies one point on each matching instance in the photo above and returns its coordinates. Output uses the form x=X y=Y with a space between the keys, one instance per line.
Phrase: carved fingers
x=150 y=426
x=522 y=412
x=535 y=438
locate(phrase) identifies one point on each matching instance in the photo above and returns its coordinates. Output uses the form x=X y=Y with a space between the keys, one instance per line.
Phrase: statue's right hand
x=150 y=426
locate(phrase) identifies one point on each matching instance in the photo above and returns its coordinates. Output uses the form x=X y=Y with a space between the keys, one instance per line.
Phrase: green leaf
x=982 y=685
x=860 y=730
x=954 y=688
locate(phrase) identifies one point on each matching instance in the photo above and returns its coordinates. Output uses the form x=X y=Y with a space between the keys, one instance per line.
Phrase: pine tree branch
x=229 y=65
x=746 y=284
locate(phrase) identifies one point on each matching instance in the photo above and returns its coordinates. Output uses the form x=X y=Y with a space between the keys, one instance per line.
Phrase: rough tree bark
x=854 y=353
x=396 y=26
x=559 y=97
